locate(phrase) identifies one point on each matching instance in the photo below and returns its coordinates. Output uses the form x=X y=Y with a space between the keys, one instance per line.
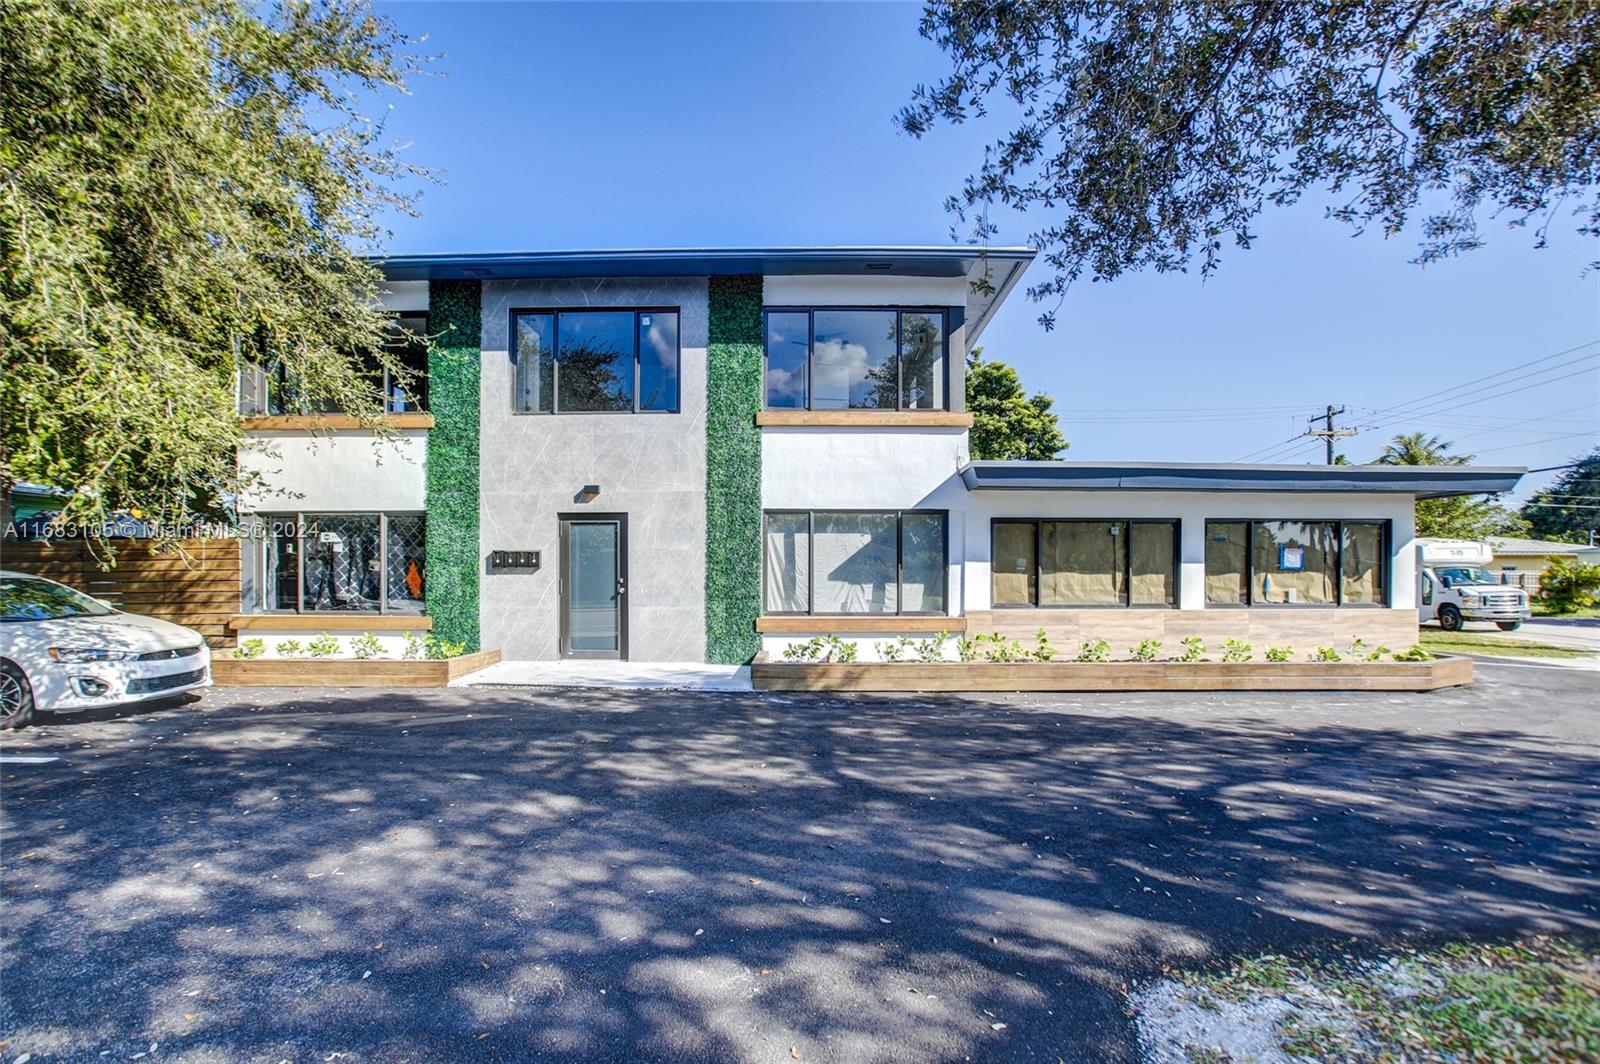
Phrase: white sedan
x=63 y=652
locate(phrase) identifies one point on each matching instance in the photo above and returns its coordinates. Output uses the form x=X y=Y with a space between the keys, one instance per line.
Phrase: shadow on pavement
x=672 y=876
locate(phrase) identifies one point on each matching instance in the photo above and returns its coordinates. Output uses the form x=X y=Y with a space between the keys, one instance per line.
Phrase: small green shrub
x=1566 y=587
x=1280 y=654
x=1147 y=650
x=1235 y=652
x=809 y=650
x=324 y=646
x=366 y=646
x=838 y=649
x=1194 y=649
x=1324 y=654
x=415 y=647
x=967 y=649
x=895 y=650
x=1042 y=648
x=438 y=649
x=932 y=648
x=250 y=649
x=1416 y=653
x=1094 y=650
x=288 y=648
x=1001 y=649
x=1377 y=653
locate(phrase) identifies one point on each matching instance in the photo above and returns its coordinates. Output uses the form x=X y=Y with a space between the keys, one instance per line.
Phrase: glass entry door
x=594 y=586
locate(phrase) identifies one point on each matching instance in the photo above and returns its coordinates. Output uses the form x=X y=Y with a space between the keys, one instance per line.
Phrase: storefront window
x=1296 y=563
x=310 y=563
x=854 y=561
x=1084 y=563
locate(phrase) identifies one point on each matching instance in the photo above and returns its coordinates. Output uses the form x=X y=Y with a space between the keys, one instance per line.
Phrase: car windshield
x=25 y=599
x=1466 y=574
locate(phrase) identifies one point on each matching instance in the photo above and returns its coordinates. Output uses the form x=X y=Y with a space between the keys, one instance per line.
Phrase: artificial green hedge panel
x=733 y=470
x=455 y=323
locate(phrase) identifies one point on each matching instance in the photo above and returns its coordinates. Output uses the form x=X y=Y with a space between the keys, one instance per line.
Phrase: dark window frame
x=1386 y=545
x=1038 y=524
x=899 y=339
x=555 y=346
x=298 y=521
x=899 y=560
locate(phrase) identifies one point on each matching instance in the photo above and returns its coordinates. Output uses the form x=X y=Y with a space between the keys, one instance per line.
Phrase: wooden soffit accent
x=331 y=622
x=329 y=422
x=879 y=624
x=865 y=419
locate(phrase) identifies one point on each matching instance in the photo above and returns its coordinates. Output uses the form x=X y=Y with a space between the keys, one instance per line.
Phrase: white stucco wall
x=864 y=290
x=342 y=471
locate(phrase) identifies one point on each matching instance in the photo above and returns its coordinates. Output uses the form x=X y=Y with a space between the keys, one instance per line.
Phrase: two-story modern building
x=695 y=455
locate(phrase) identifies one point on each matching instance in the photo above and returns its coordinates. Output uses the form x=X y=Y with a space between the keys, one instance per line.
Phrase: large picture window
x=340 y=563
x=594 y=361
x=1084 y=563
x=856 y=358
x=854 y=561
x=1297 y=563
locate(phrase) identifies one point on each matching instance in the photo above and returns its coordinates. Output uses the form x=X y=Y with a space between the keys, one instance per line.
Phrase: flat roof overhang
x=1424 y=482
x=991 y=273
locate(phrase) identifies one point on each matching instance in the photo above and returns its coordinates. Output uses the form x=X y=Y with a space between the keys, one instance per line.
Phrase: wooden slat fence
x=200 y=591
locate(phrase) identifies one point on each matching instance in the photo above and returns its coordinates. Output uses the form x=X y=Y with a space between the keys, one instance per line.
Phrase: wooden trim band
x=329 y=422
x=881 y=624
x=865 y=419
x=331 y=622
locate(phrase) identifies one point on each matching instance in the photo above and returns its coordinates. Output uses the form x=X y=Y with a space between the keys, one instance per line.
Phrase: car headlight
x=82 y=655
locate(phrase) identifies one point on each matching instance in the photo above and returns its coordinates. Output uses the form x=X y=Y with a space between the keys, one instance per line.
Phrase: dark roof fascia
x=954 y=261
x=1424 y=482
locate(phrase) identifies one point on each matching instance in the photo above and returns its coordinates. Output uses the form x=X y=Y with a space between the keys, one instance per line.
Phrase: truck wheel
x=1508 y=626
x=1450 y=619
x=16 y=697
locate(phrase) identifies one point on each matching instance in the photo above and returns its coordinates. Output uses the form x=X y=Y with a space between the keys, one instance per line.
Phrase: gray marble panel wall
x=651 y=467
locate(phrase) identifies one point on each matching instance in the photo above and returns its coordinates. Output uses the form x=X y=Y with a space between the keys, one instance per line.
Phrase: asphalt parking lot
x=492 y=875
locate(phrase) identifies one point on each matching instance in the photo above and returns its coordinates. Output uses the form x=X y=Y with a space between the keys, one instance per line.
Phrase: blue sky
x=674 y=124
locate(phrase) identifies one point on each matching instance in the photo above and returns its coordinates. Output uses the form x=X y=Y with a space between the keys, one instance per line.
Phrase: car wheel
x=1508 y=626
x=1450 y=619
x=16 y=697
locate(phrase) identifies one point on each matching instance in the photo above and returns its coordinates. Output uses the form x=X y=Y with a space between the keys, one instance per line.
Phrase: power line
x=1490 y=376
x=1456 y=401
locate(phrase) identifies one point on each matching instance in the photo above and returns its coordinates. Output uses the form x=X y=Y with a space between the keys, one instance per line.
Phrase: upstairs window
x=594 y=361
x=856 y=358
x=271 y=389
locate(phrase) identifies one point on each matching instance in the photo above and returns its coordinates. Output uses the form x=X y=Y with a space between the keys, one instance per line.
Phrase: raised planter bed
x=1110 y=676
x=229 y=671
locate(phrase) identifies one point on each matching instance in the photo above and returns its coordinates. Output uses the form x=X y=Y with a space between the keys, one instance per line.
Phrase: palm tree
x=1418 y=448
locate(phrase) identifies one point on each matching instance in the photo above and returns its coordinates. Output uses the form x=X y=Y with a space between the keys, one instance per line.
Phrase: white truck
x=1454 y=587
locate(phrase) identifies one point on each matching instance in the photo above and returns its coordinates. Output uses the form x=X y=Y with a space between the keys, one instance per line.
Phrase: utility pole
x=1328 y=432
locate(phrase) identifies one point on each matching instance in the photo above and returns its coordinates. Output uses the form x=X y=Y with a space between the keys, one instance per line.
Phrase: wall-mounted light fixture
x=589 y=493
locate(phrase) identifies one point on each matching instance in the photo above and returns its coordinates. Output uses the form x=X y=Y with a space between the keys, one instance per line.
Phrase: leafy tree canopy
x=1153 y=132
x=1569 y=509
x=1460 y=517
x=1006 y=423
x=183 y=185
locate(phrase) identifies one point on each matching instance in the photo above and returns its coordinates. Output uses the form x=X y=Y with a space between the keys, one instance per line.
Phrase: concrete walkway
x=1575 y=633
x=616 y=675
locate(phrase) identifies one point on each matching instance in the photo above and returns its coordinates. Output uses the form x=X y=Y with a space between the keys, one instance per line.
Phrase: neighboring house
x=1520 y=561
x=699 y=455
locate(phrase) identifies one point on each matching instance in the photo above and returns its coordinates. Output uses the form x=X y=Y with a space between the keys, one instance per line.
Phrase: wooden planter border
x=1110 y=676
x=345 y=672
